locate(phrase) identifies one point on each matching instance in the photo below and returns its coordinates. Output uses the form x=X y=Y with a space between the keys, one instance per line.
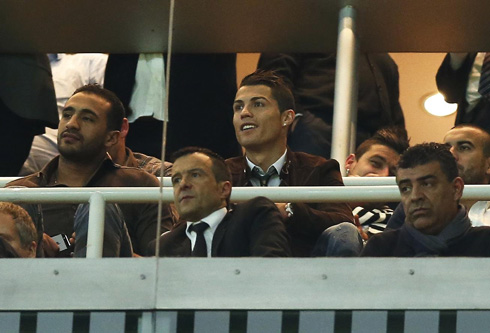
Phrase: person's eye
x=195 y=175
x=464 y=148
x=88 y=119
x=66 y=115
x=404 y=189
x=237 y=107
x=376 y=164
x=175 y=180
x=258 y=104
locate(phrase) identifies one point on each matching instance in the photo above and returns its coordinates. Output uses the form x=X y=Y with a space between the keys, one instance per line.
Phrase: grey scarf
x=430 y=245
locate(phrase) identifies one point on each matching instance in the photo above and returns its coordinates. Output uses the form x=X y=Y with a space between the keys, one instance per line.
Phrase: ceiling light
x=437 y=106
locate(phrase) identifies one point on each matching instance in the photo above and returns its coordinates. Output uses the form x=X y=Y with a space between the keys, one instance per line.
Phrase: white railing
x=368 y=181
x=98 y=196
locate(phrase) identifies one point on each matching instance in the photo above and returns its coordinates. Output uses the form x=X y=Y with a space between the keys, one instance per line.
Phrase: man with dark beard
x=89 y=126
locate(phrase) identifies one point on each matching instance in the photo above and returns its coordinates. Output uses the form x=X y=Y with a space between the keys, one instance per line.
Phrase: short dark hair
x=220 y=169
x=116 y=113
x=23 y=223
x=279 y=89
x=425 y=153
x=486 y=143
x=395 y=138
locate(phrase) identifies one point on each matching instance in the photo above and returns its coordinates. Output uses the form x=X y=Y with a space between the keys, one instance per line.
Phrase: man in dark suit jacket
x=202 y=187
x=27 y=106
x=457 y=80
x=263 y=114
x=436 y=223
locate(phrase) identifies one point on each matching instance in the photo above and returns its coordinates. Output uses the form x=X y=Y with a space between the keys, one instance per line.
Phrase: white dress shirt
x=213 y=220
x=274 y=180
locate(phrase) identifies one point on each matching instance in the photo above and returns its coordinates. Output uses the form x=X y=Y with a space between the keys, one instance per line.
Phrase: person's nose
x=73 y=122
x=454 y=152
x=245 y=113
x=416 y=194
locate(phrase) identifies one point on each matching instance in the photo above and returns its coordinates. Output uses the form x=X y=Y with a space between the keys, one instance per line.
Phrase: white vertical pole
x=96 y=217
x=345 y=99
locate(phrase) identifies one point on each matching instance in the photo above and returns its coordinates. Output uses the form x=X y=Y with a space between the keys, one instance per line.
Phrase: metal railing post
x=95 y=237
x=345 y=98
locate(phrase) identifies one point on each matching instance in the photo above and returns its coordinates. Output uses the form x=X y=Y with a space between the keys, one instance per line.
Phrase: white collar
x=277 y=164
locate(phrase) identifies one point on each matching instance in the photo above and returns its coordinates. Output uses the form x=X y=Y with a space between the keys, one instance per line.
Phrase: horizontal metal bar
x=277 y=194
x=348 y=181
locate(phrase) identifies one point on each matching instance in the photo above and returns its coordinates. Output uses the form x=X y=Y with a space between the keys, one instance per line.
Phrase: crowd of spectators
x=274 y=115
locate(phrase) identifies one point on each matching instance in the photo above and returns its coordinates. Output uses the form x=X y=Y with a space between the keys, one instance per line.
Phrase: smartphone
x=62 y=241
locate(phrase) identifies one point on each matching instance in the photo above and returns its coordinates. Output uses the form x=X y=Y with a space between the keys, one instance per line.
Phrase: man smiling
x=436 y=224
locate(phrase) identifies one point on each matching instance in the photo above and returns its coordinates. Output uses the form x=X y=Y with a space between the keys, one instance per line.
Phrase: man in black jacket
x=202 y=187
x=436 y=224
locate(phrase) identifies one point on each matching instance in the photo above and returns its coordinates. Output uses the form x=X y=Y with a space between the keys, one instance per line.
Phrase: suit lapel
x=219 y=234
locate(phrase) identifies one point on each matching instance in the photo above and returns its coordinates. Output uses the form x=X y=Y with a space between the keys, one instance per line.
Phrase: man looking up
x=89 y=125
x=18 y=230
x=263 y=113
x=202 y=188
x=436 y=224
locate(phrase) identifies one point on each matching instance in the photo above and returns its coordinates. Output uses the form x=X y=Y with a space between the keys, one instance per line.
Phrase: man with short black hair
x=470 y=146
x=202 y=188
x=376 y=157
x=263 y=114
x=89 y=126
x=436 y=224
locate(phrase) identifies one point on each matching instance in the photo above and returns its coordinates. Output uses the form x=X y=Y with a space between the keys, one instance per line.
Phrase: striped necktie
x=261 y=177
x=484 y=86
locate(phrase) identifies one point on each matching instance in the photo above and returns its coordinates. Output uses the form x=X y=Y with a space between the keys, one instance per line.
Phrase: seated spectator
x=376 y=157
x=70 y=72
x=470 y=145
x=122 y=155
x=89 y=126
x=263 y=114
x=18 y=232
x=202 y=188
x=436 y=224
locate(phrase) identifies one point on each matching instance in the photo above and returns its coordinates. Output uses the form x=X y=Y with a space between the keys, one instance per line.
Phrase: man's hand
x=282 y=208
x=364 y=235
x=50 y=248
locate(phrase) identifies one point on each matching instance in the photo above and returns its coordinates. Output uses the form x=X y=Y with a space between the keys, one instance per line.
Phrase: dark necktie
x=484 y=86
x=200 y=248
x=261 y=177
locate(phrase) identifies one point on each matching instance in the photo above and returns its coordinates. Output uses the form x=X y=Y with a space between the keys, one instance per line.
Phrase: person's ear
x=287 y=118
x=124 y=128
x=350 y=162
x=225 y=188
x=112 y=138
x=458 y=186
x=32 y=249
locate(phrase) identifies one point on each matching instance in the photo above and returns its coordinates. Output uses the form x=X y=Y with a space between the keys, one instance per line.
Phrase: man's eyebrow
x=406 y=180
x=89 y=112
x=195 y=169
x=253 y=99
x=379 y=157
x=71 y=108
